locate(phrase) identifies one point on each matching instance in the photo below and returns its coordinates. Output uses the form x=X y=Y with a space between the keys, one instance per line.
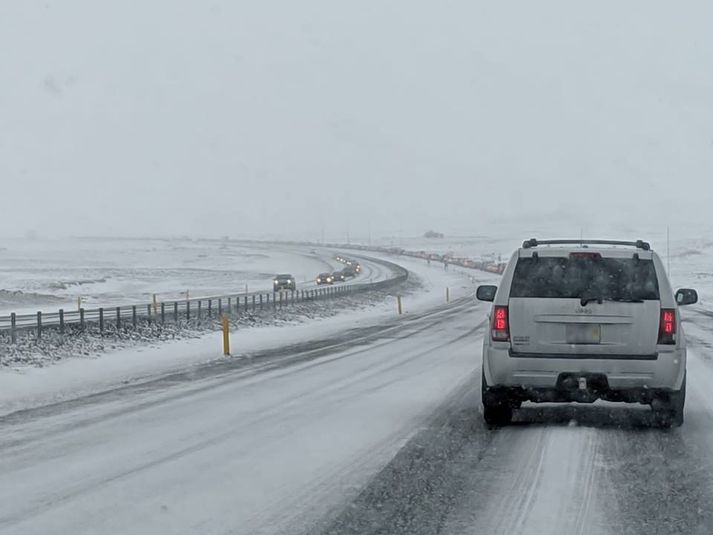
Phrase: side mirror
x=486 y=293
x=686 y=296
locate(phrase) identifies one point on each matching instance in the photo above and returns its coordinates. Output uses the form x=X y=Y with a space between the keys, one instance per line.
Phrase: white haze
x=293 y=118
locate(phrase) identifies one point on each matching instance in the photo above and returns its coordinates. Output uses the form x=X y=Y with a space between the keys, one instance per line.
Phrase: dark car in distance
x=325 y=278
x=284 y=281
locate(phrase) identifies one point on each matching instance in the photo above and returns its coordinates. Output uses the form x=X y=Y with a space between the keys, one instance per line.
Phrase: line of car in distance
x=351 y=269
x=286 y=281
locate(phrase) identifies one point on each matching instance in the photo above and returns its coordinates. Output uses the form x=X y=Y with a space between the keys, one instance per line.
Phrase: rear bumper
x=518 y=394
x=665 y=370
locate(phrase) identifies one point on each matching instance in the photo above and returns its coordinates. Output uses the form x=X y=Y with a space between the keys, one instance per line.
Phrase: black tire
x=497 y=410
x=670 y=413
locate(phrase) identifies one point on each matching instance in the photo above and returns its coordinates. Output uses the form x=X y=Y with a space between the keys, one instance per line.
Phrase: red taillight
x=500 y=324
x=667 y=326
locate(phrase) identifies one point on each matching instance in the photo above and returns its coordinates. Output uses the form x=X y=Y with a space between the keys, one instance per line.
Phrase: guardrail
x=197 y=308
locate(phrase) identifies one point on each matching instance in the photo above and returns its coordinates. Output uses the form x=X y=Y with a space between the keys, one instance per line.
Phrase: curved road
x=375 y=431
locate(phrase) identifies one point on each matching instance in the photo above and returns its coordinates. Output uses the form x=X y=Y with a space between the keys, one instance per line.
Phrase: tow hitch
x=582 y=387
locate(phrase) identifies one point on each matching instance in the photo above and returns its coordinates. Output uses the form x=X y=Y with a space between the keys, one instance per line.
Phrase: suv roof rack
x=534 y=242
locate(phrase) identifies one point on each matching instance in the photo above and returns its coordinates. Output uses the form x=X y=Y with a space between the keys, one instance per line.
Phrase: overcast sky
x=248 y=118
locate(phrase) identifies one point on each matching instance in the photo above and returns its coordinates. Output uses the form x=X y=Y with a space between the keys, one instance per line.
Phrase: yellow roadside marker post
x=226 y=336
x=398 y=303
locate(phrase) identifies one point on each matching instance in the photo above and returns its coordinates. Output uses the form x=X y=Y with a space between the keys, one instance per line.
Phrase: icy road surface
x=376 y=430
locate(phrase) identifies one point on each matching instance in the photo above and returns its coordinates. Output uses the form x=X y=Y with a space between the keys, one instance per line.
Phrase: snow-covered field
x=51 y=274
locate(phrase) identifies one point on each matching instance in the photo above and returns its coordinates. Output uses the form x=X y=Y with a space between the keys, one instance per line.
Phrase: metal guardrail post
x=39 y=325
x=253 y=302
x=148 y=314
x=246 y=303
x=133 y=315
x=163 y=312
x=200 y=308
x=188 y=310
x=101 y=320
x=81 y=318
x=118 y=318
x=61 y=321
x=175 y=311
x=220 y=307
x=260 y=301
x=210 y=308
x=13 y=328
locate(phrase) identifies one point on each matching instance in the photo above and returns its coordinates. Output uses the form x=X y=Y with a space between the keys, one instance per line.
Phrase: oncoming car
x=338 y=276
x=324 y=278
x=577 y=321
x=284 y=281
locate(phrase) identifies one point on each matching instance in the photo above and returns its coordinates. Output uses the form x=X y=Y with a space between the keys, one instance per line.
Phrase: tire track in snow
x=538 y=480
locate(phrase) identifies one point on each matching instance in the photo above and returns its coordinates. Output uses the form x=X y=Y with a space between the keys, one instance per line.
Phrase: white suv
x=581 y=321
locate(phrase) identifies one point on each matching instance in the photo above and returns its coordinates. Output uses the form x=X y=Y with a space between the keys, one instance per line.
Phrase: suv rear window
x=623 y=279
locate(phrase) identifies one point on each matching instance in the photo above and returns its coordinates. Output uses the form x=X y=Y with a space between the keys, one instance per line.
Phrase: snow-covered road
x=262 y=447
x=373 y=429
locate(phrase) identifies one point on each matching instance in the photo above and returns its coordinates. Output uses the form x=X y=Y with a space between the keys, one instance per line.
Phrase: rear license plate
x=584 y=333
